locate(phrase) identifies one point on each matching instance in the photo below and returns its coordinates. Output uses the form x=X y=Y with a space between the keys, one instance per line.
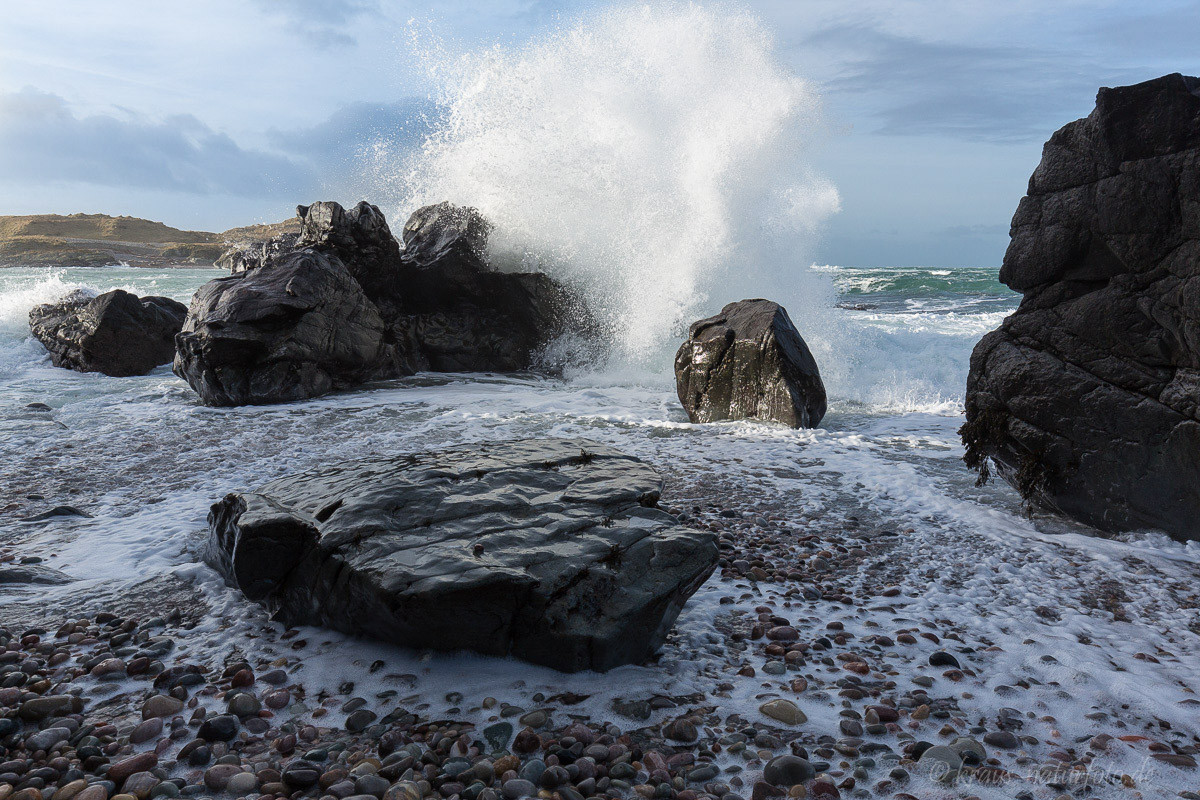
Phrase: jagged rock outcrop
x=117 y=333
x=296 y=329
x=271 y=333
x=1087 y=399
x=749 y=362
x=553 y=551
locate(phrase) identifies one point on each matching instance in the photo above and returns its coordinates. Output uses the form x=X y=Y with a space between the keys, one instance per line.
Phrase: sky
x=212 y=115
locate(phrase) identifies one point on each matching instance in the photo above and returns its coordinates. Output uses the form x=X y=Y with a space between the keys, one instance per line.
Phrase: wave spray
x=653 y=156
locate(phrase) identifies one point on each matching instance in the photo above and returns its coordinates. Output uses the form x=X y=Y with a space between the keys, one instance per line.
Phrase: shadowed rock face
x=1087 y=399
x=272 y=332
x=552 y=551
x=299 y=328
x=749 y=362
x=116 y=333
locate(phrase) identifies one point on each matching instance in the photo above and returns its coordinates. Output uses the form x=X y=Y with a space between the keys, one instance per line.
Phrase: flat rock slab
x=550 y=550
x=31 y=574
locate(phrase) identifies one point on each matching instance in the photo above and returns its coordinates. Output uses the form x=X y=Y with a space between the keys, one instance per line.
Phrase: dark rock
x=527 y=741
x=940 y=658
x=788 y=770
x=359 y=237
x=1087 y=399
x=301 y=774
x=681 y=730
x=551 y=550
x=121 y=770
x=462 y=313
x=32 y=574
x=763 y=790
x=296 y=329
x=360 y=719
x=749 y=362
x=56 y=512
x=116 y=333
x=220 y=728
x=498 y=734
x=251 y=255
x=341 y=304
x=40 y=708
x=445 y=231
x=1005 y=740
x=634 y=709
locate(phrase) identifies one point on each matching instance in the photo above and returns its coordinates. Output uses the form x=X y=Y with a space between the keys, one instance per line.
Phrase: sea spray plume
x=652 y=155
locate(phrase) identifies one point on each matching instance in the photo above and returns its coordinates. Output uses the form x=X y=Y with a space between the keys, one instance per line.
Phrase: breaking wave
x=657 y=157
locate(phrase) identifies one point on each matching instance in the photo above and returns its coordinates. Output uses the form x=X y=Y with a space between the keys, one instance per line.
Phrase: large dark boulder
x=297 y=328
x=749 y=362
x=1087 y=399
x=116 y=333
x=436 y=305
x=553 y=551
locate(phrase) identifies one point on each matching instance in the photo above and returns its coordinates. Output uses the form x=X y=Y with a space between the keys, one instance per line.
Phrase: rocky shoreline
x=807 y=691
x=871 y=627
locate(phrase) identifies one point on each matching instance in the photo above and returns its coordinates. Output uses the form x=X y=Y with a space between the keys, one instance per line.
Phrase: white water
x=656 y=155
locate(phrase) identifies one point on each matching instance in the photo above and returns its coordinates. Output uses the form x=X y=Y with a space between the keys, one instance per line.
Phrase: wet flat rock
x=551 y=550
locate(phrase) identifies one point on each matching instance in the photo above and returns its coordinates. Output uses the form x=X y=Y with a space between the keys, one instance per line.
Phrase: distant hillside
x=101 y=240
x=101 y=227
x=259 y=232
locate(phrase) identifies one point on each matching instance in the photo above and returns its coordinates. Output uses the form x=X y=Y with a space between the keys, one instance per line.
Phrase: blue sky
x=216 y=114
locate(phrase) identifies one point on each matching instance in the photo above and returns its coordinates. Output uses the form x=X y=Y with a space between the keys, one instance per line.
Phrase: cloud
x=323 y=22
x=1161 y=35
x=42 y=140
x=345 y=135
x=974 y=231
x=964 y=90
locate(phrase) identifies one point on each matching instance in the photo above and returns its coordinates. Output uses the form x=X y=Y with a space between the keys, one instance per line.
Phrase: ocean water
x=145 y=461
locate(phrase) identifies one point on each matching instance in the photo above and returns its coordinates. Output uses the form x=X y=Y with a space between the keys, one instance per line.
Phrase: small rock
x=161 y=705
x=242 y=783
x=940 y=658
x=146 y=731
x=518 y=788
x=498 y=735
x=142 y=762
x=784 y=711
x=788 y=770
x=941 y=763
x=359 y=720
x=220 y=728
x=1005 y=740
x=681 y=730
